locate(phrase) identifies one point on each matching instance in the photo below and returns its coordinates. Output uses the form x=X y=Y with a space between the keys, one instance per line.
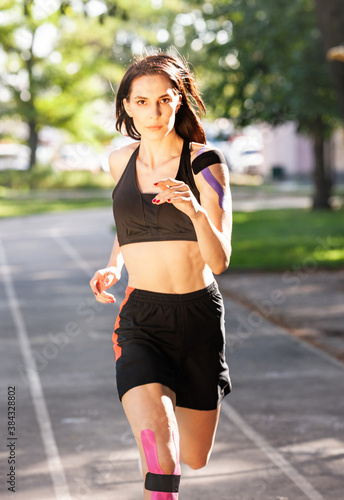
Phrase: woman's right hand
x=102 y=280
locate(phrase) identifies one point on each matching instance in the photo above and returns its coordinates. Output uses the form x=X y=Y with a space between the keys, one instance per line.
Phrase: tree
x=58 y=64
x=264 y=61
x=330 y=16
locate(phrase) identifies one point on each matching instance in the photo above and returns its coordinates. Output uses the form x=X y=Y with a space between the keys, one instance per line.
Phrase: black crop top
x=137 y=219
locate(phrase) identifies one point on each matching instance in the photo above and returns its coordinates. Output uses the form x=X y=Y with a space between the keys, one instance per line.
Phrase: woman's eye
x=166 y=99
x=140 y=102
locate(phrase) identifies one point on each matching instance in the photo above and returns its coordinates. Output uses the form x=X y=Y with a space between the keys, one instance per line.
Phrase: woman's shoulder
x=203 y=156
x=197 y=148
x=119 y=158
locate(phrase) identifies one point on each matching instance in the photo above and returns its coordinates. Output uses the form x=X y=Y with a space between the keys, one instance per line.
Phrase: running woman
x=172 y=209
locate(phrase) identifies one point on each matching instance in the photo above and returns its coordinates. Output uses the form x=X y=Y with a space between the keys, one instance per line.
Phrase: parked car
x=246 y=154
x=14 y=157
x=79 y=156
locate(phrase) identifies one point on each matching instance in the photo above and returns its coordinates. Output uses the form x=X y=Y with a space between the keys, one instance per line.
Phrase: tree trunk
x=323 y=180
x=32 y=112
x=330 y=14
x=33 y=141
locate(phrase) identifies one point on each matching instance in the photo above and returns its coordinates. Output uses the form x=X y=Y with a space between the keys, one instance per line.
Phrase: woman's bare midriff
x=166 y=266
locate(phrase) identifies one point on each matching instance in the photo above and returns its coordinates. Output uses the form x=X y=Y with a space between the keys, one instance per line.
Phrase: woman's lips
x=154 y=127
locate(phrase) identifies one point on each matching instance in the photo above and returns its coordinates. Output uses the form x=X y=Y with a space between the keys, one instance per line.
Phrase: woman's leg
x=150 y=412
x=197 y=431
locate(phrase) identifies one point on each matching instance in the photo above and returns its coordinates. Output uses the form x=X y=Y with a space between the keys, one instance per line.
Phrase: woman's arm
x=116 y=258
x=108 y=276
x=212 y=218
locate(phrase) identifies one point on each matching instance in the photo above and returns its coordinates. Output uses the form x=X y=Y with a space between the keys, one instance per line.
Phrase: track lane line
x=71 y=252
x=275 y=456
x=42 y=414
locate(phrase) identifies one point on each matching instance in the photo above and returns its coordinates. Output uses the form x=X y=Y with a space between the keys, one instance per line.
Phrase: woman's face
x=152 y=104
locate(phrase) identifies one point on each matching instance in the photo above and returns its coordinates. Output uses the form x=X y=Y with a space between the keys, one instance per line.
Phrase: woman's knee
x=168 y=463
x=196 y=460
x=161 y=449
x=150 y=411
x=162 y=472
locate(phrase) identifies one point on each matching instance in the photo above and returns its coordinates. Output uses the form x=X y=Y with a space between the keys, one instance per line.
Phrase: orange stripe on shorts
x=116 y=347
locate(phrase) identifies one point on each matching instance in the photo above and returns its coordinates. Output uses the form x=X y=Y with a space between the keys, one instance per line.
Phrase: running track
x=281 y=432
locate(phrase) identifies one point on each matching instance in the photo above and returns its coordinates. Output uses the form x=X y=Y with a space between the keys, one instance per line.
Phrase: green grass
x=24 y=206
x=17 y=197
x=288 y=239
x=43 y=177
x=262 y=240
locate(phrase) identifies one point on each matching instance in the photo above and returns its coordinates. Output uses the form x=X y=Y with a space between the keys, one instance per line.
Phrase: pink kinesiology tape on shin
x=151 y=454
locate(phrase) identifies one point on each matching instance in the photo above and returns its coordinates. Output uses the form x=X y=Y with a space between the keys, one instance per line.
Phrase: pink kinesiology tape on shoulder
x=157 y=475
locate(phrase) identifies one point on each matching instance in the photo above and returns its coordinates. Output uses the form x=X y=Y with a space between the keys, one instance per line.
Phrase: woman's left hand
x=179 y=194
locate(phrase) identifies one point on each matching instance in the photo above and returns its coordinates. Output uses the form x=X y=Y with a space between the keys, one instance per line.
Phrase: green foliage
x=260 y=61
x=55 y=86
x=257 y=60
x=65 y=82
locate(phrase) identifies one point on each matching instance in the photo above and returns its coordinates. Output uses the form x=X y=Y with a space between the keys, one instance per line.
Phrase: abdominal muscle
x=166 y=266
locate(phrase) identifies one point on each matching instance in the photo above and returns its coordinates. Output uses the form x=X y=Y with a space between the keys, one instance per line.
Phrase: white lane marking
x=275 y=457
x=53 y=458
x=80 y=261
x=71 y=252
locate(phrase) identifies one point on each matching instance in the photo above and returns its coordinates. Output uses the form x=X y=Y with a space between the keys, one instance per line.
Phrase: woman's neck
x=156 y=153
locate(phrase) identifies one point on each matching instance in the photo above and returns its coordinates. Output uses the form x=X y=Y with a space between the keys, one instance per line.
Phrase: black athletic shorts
x=177 y=340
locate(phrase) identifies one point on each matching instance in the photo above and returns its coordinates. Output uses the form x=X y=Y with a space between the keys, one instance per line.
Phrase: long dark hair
x=187 y=124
